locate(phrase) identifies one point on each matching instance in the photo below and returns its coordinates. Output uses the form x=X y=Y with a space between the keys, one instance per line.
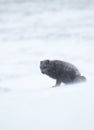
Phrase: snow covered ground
x=31 y=31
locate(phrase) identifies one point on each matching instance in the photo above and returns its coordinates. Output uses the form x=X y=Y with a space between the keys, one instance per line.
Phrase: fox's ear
x=47 y=61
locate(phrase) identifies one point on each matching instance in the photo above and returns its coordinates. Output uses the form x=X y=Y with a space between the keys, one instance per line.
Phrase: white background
x=31 y=31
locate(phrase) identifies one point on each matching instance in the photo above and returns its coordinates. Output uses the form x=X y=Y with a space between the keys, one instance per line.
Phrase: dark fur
x=61 y=71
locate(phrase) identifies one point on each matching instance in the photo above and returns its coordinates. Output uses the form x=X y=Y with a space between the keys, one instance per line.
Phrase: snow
x=30 y=32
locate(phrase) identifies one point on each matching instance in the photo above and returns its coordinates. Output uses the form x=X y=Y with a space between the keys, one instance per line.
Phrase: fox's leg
x=58 y=83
